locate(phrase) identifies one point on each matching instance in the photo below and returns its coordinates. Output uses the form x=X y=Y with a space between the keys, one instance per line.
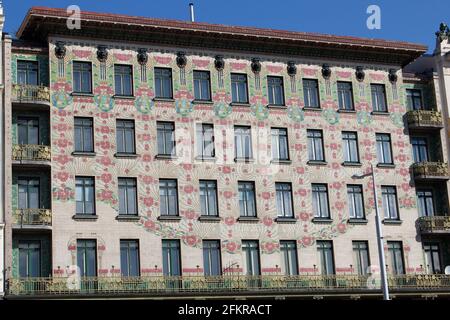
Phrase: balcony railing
x=32 y=217
x=424 y=119
x=200 y=285
x=430 y=170
x=434 y=224
x=30 y=93
x=31 y=152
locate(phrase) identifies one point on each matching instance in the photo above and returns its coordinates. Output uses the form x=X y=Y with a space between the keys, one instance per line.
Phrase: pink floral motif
x=105 y=161
x=229 y=221
x=149 y=224
x=122 y=56
x=343 y=74
x=81 y=53
x=106 y=178
x=62 y=159
x=191 y=240
x=63 y=176
x=188 y=189
x=304 y=216
x=104 y=145
x=163 y=60
x=226 y=170
x=200 y=63
x=228 y=194
x=341 y=227
x=274 y=69
x=148 y=201
x=267 y=221
x=148 y=179
x=237 y=65
x=309 y=72
x=105 y=195
x=265 y=195
x=306 y=241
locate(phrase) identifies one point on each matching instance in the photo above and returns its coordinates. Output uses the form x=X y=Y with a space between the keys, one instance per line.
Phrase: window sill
x=124 y=217
x=209 y=218
x=83 y=154
x=380 y=113
x=357 y=221
x=165 y=157
x=164 y=99
x=351 y=164
x=248 y=219
x=276 y=106
x=85 y=217
x=205 y=159
x=322 y=220
x=385 y=165
x=125 y=155
x=169 y=218
x=346 y=111
x=312 y=109
x=286 y=220
x=245 y=160
x=124 y=97
x=82 y=94
x=392 y=221
x=202 y=102
x=280 y=161
x=240 y=104
x=317 y=163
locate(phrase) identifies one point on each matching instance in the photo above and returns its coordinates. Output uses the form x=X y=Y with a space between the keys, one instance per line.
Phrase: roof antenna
x=191 y=6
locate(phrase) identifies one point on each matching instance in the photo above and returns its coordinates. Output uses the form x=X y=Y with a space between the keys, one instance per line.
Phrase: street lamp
x=384 y=283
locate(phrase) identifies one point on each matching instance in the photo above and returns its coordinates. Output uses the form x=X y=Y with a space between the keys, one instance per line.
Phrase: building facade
x=160 y=157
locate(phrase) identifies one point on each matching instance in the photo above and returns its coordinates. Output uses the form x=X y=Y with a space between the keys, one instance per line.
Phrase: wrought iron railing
x=433 y=224
x=32 y=217
x=159 y=285
x=30 y=93
x=430 y=170
x=32 y=152
x=424 y=118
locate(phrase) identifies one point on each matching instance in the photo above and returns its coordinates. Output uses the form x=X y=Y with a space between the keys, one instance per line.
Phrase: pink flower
x=300 y=170
x=306 y=241
x=304 y=216
x=267 y=221
x=149 y=224
x=148 y=201
x=106 y=177
x=265 y=195
x=339 y=205
x=188 y=189
x=191 y=240
x=231 y=246
x=341 y=227
x=147 y=179
x=228 y=194
x=229 y=221
x=226 y=169
x=63 y=176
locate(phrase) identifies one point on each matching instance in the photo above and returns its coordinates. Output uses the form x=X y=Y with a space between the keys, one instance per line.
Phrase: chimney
x=191 y=6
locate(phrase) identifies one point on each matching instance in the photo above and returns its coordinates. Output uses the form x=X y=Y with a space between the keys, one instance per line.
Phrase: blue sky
x=408 y=20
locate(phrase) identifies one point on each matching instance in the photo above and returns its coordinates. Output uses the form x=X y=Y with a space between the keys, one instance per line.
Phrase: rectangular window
x=389 y=199
x=125 y=136
x=384 y=149
x=84 y=134
x=168 y=194
x=27 y=130
x=355 y=202
x=379 y=103
x=243 y=142
x=351 y=153
x=85 y=195
x=276 y=90
x=211 y=258
x=247 y=202
x=395 y=249
x=321 y=208
x=432 y=258
x=128 y=196
x=326 y=258
x=315 y=145
x=129 y=258
x=87 y=257
x=250 y=249
x=420 y=149
x=414 y=99
x=425 y=202
x=171 y=257
x=345 y=95
x=289 y=256
x=284 y=200
x=166 y=138
x=163 y=83
x=123 y=79
x=311 y=93
x=239 y=88
x=28 y=190
x=361 y=256
x=205 y=140
x=27 y=72
x=280 y=147
x=29 y=258
x=208 y=197
x=202 y=86
x=82 y=77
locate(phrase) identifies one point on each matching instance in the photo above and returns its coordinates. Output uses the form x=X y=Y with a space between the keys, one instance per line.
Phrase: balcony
x=31 y=154
x=430 y=171
x=424 y=119
x=30 y=94
x=434 y=224
x=32 y=218
x=228 y=285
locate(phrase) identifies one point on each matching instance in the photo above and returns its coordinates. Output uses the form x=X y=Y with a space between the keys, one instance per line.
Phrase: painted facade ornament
x=256 y=65
x=181 y=59
x=102 y=53
x=60 y=49
x=359 y=73
x=392 y=75
x=219 y=62
x=222 y=109
x=142 y=56
x=326 y=71
x=443 y=33
x=291 y=68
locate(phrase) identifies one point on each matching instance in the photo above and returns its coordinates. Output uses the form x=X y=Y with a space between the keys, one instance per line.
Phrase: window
x=378 y=97
x=280 y=148
x=87 y=257
x=247 y=204
x=123 y=78
x=395 y=250
x=163 y=83
x=425 y=202
x=171 y=257
x=355 y=202
x=384 y=151
x=276 y=91
x=125 y=136
x=432 y=258
x=243 y=142
x=311 y=93
x=211 y=258
x=84 y=135
x=166 y=138
x=325 y=250
x=284 y=200
x=289 y=255
x=208 y=197
x=82 y=77
x=239 y=88
x=28 y=193
x=389 y=199
x=129 y=258
x=205 y=140
x=420 y=149
x=28 y=130
x=250 y=249
x=27 y=72
x=345 y=95
x=168 y=195
x=29 y=258
x=315 y=145
x=127 y=196
x=351 y=153
x=414 y=99
x=202 y=86
x=361 y=256
x=85 y=195
x=320 y=201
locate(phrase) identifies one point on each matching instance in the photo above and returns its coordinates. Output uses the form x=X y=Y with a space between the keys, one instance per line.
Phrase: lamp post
x=381 y=257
